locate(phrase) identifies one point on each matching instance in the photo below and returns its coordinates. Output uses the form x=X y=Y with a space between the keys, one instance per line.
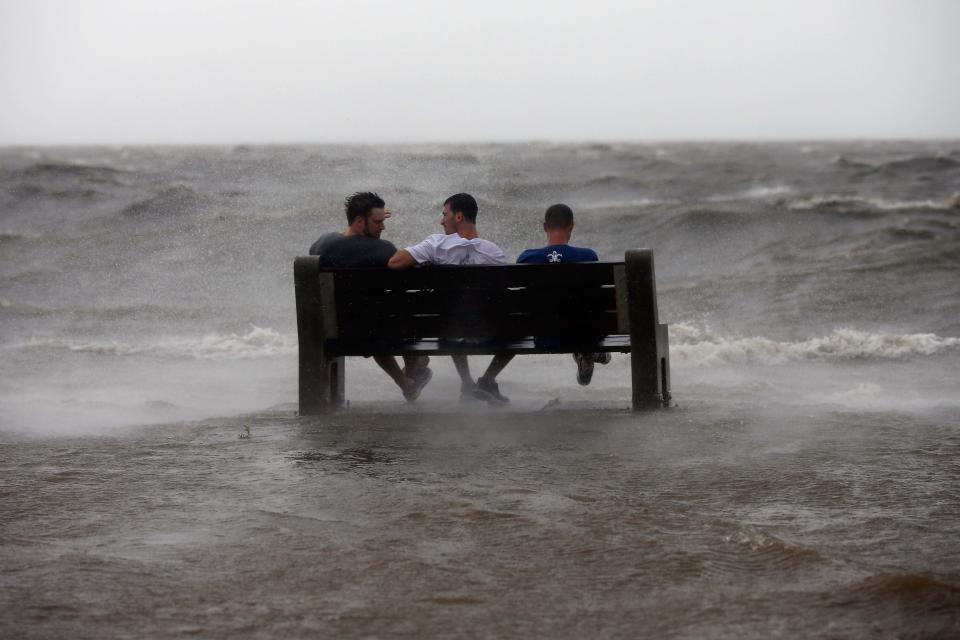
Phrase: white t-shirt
x=453 y=249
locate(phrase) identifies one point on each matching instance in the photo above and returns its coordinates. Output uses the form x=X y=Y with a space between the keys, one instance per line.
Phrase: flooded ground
x=572 y=523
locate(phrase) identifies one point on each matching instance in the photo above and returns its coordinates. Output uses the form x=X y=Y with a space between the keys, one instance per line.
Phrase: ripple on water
x=758 y=553
x=913 y=593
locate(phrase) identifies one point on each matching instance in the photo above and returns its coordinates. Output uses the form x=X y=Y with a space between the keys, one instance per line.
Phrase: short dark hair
x=361 y=204
x=463 y=203
x=558 y=216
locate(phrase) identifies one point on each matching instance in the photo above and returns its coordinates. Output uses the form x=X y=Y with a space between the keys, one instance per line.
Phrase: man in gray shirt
x=360 y=246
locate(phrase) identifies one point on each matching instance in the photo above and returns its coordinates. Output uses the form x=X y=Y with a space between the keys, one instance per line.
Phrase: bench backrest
x=373 y=305
x=344 y=312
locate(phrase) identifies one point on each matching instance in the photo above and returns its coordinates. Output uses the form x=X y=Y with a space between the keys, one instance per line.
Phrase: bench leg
x=649 y=358
x=645 y=371
x=337 y=377
x=663 y=356
x=322 y=384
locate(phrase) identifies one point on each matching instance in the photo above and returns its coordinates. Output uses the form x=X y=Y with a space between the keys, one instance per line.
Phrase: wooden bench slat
x=475 y=314
x=526 y=345
x=461 y=278
x=519 y=324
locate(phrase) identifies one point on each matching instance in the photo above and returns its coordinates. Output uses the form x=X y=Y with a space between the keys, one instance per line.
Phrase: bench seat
x=439 y=347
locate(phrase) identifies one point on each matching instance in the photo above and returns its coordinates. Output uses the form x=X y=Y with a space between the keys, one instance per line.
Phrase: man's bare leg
x=389 y=364
x=412 y=379
x=412 y=364
x=498 y=364
x=463 y=370
x=482 y=389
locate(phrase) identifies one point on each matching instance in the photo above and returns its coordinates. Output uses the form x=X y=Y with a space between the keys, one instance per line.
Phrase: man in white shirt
x=458 y=244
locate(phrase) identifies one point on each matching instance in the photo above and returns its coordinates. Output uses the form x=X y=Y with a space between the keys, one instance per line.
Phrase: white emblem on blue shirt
x=554 y=256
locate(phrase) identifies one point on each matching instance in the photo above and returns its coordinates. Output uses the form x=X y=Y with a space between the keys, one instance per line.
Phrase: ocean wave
x=104 y=312
x=757 y=192
x=13 y=236
x=915 y=591
x=851 y=163
x=854 y=203
x=170 y=200
x=695 y=345
x=34 y=191
x=259 y=342
x=920 y=164
x=14 y=308
x=631 y=203
x=605 y=180
x=913 y=164
x=73 y=170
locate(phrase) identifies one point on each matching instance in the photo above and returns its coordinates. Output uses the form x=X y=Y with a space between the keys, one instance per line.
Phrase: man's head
x=557 y=217
x=458 y=210
x=365 y=214
x=558 y=224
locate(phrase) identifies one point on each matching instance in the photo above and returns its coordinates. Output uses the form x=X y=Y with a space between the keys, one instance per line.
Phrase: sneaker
x=420 y=380
x=492 y=391
x=584 y=369
x=471 y=393
x=602 y=357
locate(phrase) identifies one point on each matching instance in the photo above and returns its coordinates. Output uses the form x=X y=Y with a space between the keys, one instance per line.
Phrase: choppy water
x=806 y=484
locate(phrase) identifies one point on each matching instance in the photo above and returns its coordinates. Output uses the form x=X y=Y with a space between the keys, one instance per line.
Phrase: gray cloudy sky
x=176 y=71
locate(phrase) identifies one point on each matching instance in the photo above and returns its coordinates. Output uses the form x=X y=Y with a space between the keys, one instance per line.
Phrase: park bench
x=478 y=310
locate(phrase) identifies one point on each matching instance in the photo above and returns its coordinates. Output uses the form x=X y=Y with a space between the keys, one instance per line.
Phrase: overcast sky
x=225 y=71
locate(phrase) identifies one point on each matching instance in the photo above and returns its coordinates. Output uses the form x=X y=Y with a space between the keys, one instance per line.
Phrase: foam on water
x=699 y=346
x=259 y=342
x=843 y=202
x=758 y=192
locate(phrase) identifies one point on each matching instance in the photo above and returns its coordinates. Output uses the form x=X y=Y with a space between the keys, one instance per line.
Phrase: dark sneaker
x=584 y=369
x=420 y=380
x=472 y=393
x=492 y=391
x=602 y=357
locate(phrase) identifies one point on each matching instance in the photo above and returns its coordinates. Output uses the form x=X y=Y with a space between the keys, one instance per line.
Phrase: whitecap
x=757 y=192
x=259 y=342
x=693 y=345
x=842 y=202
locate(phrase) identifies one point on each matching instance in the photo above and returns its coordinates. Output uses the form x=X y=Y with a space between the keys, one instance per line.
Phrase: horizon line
x=505 y=142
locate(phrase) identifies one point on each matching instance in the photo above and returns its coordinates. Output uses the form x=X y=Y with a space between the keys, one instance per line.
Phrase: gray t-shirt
x=353 y=251
x=318 y=247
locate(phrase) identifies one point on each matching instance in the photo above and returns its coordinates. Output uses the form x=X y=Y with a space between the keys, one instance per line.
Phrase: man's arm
x=401 y=260
x=421 y=253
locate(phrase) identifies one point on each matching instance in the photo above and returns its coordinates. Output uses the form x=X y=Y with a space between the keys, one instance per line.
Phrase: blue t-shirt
x=557 y=253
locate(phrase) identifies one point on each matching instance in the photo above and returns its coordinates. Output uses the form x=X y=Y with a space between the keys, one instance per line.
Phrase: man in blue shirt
x=558 y=225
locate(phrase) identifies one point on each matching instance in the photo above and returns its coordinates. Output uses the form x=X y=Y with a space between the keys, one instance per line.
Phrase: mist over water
x=808 y=469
